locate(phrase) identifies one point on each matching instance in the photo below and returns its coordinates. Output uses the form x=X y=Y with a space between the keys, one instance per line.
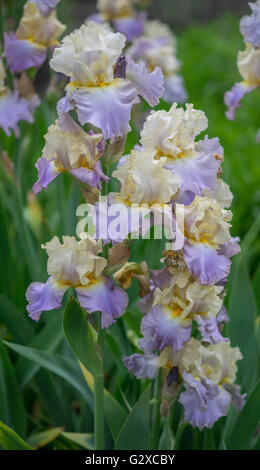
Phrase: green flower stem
x=99 y=412
x=99 y=397
x=156 y=417
x=179 y=432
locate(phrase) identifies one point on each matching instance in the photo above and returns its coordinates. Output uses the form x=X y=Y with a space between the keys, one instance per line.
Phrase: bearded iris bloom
x=207 y=373
x=248 y=61
x=146 y=188
x=172 y=136
x=101 y=96
x=78 y=265
x=69 y=149
x=27 y=47
x=13 y=107
x=208 y=244
x=157 y=47
x=122 y=15
x=174 y=307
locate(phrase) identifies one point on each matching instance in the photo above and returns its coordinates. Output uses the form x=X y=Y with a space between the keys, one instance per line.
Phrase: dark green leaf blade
x=246 y=423
x=134 y=434
x=9 y=440
x=80 y=336
x=11 y=405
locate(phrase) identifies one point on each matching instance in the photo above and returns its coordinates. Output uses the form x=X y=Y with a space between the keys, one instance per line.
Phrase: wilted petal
x=161 y=277
x=43 y=297
x=208 y=328
x=103 y=296
x=145 y=304
x=22 y=54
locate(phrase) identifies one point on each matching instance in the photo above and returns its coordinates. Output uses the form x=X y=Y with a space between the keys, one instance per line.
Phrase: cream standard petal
x=70 y=150
x=173 y=133
x=248 y=63
x=145 y=180
x=88 y=55
x=206 y=222
x=75 y=263
x=42 y=30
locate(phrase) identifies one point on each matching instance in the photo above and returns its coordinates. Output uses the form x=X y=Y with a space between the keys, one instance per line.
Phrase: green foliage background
x=44 y=396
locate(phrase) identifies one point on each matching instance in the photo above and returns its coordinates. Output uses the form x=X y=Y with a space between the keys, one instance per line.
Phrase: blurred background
x=209 y=39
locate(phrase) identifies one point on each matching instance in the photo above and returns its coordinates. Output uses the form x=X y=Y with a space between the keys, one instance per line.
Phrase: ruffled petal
x=197 y=172
x=238 y=400
x=174 y=89
x=43 y=297
x=23 y=54
x=210 y=146
x=149 y=85
x=46 y=174
x=208 y=328
x=92 y=177
x=206 y=264
x=147 y=345
x=250 y=25
x=204 y=403
x=233 y=98
x=168 y=330
x=103 y=296
x=143 y=366
x=107 y=107
x=231 y=248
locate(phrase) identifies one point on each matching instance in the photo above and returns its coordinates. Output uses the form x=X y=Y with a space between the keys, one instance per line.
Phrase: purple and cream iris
x=69 y=149
x=13 y=107
x=77 y=264
x=28 y=46
x=122 y=16
x=206 y=372
x=101 y=92
x=168 y=321
x=157 y=47
x=248 y=61
x=172 y=136
x=208 y=244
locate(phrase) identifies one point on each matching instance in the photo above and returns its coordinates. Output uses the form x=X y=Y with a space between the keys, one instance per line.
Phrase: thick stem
x=156 y=418
x=99 y=412
x=99 y=397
